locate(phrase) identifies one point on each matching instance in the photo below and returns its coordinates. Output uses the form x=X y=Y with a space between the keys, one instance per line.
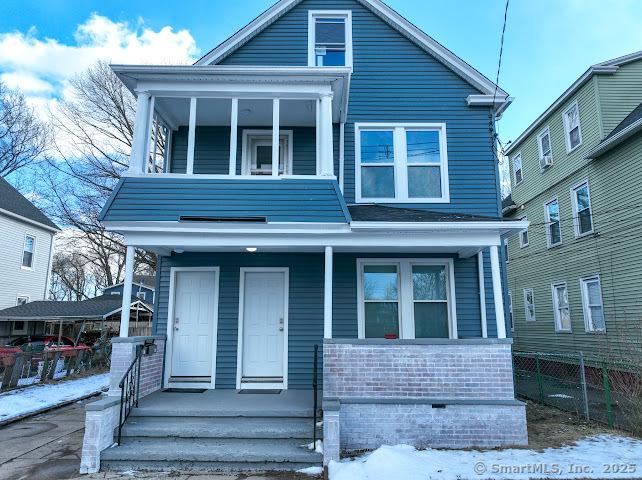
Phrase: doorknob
x=176 y=324
x=281 y=324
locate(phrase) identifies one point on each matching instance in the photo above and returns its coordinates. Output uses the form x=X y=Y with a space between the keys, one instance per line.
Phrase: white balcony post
x=127 y=292
x=482 y=294
x=140 y=140
x=497 y=292
x=148 y=134
x=276 y=114
x=327 y=294
x=191 y=136
x=326 y=147
x=234 y=122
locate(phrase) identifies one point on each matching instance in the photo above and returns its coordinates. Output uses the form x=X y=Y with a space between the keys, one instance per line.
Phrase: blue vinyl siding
x=306 y=302
x=167 y=199
x=149 y=293
x=395 y=81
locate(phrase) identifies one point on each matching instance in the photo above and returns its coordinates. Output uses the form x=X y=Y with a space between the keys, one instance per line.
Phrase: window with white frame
x=523 y=235
x=401 y=163
x=553 y=225
x=27 y=251
x=141 y=295
x=256 y=155
x=517 y=168
x=330 y=38
x=582 y=217
x=22 y=299
x=561 y=308
x=592 y=304
x=572 y=130
x=529 y=305
x=545 y=149
x=405 y=299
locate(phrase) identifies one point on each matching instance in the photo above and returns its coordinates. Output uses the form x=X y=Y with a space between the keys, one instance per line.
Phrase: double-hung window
x=529 y=305
x=405 y=298
x=561 y=308
x=545 y=149
x=517 y=168
x=329 y=38
x=582 y=217
x=401 y=163
x=592 y=304
x=572 y=130
x=553 y=225
x=523 y=235
x=27 y=251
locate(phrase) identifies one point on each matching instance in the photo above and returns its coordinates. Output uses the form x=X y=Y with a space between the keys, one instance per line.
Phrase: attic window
x=329 y=38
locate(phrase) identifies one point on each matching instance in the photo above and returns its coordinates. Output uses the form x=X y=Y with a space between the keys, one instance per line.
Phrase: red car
x=40 y=343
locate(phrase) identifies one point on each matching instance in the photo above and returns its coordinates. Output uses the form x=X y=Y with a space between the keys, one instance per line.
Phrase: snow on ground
x=17 y=403
x=560 y=395
x=600 y=456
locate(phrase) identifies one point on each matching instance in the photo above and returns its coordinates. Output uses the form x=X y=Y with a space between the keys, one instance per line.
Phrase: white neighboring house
x=26 y=246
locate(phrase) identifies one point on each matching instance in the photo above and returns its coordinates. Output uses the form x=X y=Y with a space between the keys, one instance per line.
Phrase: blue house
x=324 y=177
x=142 y=287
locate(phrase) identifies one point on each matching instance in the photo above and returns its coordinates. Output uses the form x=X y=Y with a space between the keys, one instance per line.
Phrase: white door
x=264 y=325
x=194 y=323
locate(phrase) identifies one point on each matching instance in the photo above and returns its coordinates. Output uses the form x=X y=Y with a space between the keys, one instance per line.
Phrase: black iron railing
x=315 y=389
x=129 y=389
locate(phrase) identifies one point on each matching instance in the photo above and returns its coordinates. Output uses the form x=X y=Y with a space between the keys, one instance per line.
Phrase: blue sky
x=549 y=43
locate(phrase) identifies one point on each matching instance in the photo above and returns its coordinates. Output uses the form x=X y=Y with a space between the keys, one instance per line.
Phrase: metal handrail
x=129 y=390
x=315 y=387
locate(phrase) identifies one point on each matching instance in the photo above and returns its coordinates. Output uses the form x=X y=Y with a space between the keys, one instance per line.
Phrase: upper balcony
x=235 y=122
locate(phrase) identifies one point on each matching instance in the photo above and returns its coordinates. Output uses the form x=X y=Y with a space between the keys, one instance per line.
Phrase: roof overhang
x=20 y=218
x=615 y=140
x=71 y=318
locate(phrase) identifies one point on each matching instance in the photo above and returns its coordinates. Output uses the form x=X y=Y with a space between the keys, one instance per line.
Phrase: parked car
x=40 y=343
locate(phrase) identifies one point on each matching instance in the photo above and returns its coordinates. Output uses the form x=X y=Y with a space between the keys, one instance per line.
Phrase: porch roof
x=383 y=213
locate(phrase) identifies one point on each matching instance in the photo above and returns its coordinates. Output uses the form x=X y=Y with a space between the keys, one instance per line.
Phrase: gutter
x=615 y=140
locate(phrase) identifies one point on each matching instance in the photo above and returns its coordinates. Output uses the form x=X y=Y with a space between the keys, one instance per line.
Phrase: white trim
x=33 y=252
x=19 y=296
x=400 y=162
x=286 y=307
x=405 y=292
x=567 y=132
x=556 y=318
x=518 y=155
x=28 y=220
x=498 y=293
x=234 y=121
x=548 y=222
x=137 y=304
x=588 y=317
x=207 y=176
x=170 y=324
x=545 y=131
x=327 y=293
x=523 y=244
x=191 y=136
x=246 y=155
x=52 y=245
x=482 y=293
x=615 y=140
x=130 y=253
x=276 y=139
x=576 y=217
x=342 y=136
x=526 y=314
x=346 y=15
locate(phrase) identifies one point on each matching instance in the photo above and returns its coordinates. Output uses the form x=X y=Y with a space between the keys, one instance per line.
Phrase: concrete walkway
x=48 y=447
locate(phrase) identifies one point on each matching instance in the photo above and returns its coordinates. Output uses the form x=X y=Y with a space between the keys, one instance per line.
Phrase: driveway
x=47 y=447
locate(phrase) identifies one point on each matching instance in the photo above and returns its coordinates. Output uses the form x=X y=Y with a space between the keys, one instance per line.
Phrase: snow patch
x=317 y=447
x=600 y=456
x=560 y=395
x=24 y=401
x=312 y=471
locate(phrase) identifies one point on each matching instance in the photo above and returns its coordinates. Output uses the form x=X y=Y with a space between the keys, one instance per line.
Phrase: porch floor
x=228 y=403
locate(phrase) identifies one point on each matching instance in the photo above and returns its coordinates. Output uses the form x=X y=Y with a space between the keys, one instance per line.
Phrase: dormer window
x=330 y=38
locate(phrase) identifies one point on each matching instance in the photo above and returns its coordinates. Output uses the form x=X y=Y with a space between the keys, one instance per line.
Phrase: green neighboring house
x=575 y=276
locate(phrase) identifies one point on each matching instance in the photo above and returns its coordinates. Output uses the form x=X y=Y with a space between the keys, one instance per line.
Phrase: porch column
x=497 y=292
x=127 y=292
x=482 y=294
x=276 y=114
x=326 y=141
x=148 y=135
x=327 y=294
x=191 y=136
x=234 y=121
x=136 y=159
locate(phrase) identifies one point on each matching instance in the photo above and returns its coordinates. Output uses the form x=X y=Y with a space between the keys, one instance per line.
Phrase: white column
x=327 y=295
x=342 y=139
x=326 y=147
x=482 y=294
x=191 y=136
x=127 y=292
x=148 y=134
x=234 y=122
x=168 y=150
x=317 y=130
x=136 y=159
x=497 y=292
x=276 y=114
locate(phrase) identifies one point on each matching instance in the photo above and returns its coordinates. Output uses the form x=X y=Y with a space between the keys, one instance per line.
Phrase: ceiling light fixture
x=251 y=249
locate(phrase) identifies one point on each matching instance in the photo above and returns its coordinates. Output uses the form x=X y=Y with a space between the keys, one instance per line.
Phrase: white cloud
x=26 y=82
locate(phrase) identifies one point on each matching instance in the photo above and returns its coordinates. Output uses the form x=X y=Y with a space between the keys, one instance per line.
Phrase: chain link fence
x=593 y=390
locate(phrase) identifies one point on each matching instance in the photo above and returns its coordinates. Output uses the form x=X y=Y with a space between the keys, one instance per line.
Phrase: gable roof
x=390 y=16
x=631 y=124
x=13 y=203
x=607 y=67
x=98 y=307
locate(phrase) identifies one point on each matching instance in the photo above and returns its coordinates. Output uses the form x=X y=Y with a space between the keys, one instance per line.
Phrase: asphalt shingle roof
x=381 y=213
x=13 y=201
x=631 y=118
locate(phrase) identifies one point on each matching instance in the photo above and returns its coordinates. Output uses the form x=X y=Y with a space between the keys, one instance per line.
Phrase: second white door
x=264 y=325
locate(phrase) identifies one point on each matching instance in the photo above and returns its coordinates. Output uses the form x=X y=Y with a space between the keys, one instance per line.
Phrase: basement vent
x=438 y=405
x=223 y=219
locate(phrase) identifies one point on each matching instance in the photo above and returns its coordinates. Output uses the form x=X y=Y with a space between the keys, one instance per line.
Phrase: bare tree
x=23 y=137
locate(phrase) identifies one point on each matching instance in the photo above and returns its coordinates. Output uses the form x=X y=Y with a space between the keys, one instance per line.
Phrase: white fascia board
x=570 y=91
x=615 y=140
x=15 y=216
x=499 y=103
x=502 y=227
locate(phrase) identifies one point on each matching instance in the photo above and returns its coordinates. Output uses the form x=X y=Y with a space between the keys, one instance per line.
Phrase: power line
x=493 y=133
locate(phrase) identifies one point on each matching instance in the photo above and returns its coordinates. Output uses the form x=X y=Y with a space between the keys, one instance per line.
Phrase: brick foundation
x=426 y=393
